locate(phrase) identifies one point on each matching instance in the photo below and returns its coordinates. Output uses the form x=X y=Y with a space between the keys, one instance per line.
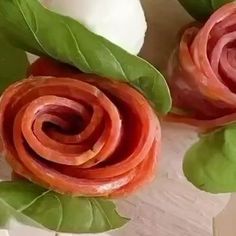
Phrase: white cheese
x=120 y=21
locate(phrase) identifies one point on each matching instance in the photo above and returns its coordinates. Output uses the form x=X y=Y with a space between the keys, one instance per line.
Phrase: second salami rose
x=83 y=136
x=203 y=72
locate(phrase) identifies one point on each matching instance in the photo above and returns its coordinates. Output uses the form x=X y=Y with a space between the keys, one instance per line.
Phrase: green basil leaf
x=33 y=28
x=34 y=205
x=13 y=64
x=211 y=163
x=202 y=9
x=4 y=215
x=8 y=215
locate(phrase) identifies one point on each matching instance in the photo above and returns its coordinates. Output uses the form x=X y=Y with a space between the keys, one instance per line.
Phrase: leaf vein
x=98 y=205
x=61 y=216
x=212 y=5
x=78 y=47
x=33 y=201
x=32 y=31
x=117 y=62
x=92 y=210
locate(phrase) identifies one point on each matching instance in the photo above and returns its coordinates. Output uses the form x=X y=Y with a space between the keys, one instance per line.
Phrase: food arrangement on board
x=81 y=125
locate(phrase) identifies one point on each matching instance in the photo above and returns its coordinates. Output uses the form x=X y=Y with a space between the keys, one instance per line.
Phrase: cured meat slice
x=45 y=66
x=84 y=135
x=202 y=72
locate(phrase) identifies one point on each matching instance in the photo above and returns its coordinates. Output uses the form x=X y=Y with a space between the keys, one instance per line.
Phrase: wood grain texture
x=224 y=223
x=171 y=206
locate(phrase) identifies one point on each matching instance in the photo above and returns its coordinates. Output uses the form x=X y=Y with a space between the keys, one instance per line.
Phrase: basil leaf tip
x=210 y=164
x=202 y=9
x=33 y=205
x=35 y=29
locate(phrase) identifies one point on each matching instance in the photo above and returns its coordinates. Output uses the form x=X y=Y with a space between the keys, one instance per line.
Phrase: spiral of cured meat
x=82 y=136
x=202 y=72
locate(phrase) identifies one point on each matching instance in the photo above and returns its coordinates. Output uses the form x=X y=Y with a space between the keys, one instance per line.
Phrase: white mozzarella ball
x=120 y=21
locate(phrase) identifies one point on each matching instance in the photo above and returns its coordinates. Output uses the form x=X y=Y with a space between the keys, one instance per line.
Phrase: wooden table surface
x=170 y=206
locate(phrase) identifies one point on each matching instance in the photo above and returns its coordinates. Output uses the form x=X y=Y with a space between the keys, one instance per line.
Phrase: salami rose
x=82 y=136
x=202 y=72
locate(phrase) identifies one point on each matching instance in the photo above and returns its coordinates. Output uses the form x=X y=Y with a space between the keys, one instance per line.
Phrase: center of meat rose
x=41 y=119
x=62 y=120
